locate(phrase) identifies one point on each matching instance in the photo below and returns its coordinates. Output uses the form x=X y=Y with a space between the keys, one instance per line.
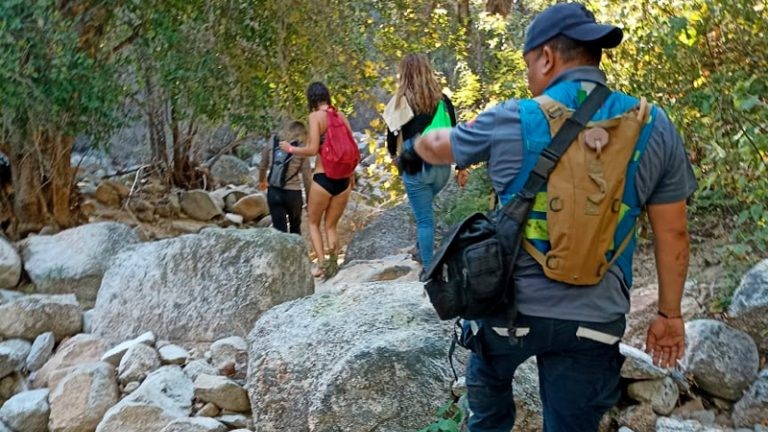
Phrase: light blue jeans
x=421 y=189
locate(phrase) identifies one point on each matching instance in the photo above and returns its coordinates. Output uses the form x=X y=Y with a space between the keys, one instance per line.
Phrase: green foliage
x=275 y=49
x=476 y=196
x=47 y=82
x=383 y=183
x=748 y=244
x=449 y=419
x=705 y=62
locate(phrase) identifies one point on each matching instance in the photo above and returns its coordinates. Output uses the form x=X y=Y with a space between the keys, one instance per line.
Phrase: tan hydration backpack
x=579 y=212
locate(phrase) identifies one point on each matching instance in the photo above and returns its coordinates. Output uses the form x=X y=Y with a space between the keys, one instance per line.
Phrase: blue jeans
x=578 y=376
x=421 y=189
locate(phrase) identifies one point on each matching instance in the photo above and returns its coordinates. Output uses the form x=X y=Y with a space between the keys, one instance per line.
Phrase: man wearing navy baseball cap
x=573 y=328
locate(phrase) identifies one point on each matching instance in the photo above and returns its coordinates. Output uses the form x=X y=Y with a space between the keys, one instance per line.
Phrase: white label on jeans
x=519 y=331
x=595 y=335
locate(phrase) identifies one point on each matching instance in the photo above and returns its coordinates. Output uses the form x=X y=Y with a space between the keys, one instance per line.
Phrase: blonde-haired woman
x=419 y=89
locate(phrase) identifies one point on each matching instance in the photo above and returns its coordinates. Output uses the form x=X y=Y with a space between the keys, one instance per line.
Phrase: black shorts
x=332 y=186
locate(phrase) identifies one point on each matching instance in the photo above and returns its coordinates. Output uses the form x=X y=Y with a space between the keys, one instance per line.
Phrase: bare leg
x=332 y=216
x=319 y=200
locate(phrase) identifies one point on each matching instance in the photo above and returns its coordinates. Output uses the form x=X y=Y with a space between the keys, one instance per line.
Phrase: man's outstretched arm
x=435 y=147
x=666 y=334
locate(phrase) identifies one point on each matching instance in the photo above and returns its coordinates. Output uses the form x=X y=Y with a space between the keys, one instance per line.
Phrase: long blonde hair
x=418 y=84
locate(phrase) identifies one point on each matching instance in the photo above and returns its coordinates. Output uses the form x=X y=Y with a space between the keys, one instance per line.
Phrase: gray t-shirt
x=664 y=176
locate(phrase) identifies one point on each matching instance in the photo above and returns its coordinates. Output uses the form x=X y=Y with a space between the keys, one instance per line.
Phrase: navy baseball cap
x=574 y=21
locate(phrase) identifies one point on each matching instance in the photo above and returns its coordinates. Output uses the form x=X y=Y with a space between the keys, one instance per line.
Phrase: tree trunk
x=156 y=121
x=464 y=16
x=29 y=210
x=185 y=171
x=58 y=190
x=42 y=183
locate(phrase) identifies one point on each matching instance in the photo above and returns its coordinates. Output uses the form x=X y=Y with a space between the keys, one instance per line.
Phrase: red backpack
x=339 y=152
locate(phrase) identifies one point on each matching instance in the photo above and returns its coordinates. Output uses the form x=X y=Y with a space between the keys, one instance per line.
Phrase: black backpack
x=278 y=171
x=469 y=272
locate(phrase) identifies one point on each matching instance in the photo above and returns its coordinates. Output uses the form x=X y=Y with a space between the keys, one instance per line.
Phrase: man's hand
x=666 y=341
x=666 y=334
x=263 y=185
x=462 y=177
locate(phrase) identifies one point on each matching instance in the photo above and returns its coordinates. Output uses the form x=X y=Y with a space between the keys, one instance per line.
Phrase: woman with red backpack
x=329 y=135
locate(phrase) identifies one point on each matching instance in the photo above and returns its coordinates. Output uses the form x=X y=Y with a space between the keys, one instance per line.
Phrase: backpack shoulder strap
x=553 y=111
x=275 y=146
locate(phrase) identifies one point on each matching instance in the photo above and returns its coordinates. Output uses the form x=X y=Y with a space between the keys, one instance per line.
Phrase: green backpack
x=441 y=119
x=409 y=161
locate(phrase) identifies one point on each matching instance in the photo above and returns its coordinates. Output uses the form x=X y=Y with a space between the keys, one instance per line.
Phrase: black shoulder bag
x=471 y=275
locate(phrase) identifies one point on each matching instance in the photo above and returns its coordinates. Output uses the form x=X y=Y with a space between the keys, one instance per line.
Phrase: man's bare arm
x=670 y=228
x=666 y=334
x=435 y=147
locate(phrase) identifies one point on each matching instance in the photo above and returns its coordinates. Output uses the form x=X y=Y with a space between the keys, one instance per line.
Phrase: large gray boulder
x=30 y=316
x=752 y=409
x=74 y=261
x=231 y=170
x=82 y=397
x=200 y=288
x=370 y=358
x=27 y=411
x=10 y=265
x=13 y=355
x=163 y=397
x=722 y=360
x=749 y=306
x=392 y=233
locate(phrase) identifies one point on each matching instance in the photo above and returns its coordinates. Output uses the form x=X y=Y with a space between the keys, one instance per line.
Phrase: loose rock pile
x=56 y=377
x=143 y=384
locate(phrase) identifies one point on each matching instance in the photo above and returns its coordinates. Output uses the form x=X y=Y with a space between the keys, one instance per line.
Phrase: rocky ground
x=179 y=311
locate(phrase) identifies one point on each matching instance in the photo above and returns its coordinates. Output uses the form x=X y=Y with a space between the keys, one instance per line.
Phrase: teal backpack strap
x=626 y=227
